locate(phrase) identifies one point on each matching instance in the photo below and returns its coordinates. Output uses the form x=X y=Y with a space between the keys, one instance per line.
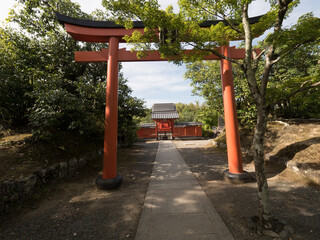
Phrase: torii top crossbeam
x=102 y=31
x=111 y=33
x=95 y=31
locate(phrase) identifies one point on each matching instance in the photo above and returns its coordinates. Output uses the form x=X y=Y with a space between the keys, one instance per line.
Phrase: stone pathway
x=175 y=206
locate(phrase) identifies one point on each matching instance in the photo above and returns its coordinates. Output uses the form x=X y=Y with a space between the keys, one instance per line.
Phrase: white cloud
x=161 y=81
x=258 y=7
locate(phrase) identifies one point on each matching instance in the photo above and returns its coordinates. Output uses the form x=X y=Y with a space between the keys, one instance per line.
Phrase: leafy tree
x=44 y=87
x=147 y=117
x=131 y=109
x=205 y=78
x=16 y=77
x=182 y=29
x=188 y=112
x=298 y=70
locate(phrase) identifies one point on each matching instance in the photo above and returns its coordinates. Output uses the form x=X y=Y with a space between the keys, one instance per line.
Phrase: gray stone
x=100 y=152
x=63 y=173
x=271 y=233
x=42 y=175
x=289 y=228
x=51 y=174
x=284 y=234
x=31 y=184
x=82 y=161
x=73 y=166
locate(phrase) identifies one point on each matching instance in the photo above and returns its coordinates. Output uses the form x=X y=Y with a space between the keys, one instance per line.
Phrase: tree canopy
x=41 y=84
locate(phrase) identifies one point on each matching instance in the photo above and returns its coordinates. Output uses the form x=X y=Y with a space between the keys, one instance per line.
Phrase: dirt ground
x=21 y=156
x=75 y=209
x=292 y=200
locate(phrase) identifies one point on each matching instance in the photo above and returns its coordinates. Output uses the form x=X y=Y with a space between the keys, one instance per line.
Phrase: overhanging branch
x=299 y=90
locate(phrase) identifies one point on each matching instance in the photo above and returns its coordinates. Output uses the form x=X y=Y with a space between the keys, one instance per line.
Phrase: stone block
x=72 y=167
x=82 y=161
x=63 y=173
x=31 y=185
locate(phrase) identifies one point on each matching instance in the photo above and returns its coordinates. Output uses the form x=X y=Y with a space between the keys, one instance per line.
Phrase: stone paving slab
x=176 y=206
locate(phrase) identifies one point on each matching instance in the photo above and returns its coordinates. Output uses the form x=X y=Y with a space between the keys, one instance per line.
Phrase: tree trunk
x=263 y=192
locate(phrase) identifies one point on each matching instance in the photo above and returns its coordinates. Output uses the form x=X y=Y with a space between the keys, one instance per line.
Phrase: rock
x=284 y=234
x=73 y=166
x=213 y=143
x=82 y=162
x=100 y=152
x=42 y=175
x=63 y=173
x=31 y=184
x=51 y=174
x=271 y=233
x=289 y=228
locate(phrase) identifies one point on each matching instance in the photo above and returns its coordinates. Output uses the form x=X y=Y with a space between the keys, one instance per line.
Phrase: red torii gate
x=108 y=31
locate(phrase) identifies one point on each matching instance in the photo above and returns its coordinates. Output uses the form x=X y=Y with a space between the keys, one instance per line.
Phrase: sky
x=162 y=82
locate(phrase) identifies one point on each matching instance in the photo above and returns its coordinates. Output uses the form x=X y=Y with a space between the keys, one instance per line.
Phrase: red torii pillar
x=97 y=31
x=110 y=179
x=235 y=172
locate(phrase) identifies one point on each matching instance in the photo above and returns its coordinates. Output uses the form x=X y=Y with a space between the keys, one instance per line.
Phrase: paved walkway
x=176 y=207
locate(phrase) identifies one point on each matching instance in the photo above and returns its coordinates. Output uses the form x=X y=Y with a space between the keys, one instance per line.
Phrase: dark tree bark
x=258 y=92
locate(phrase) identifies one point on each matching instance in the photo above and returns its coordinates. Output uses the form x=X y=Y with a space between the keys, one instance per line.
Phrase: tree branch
x=223 y=16
x=248 y=68
x=293 y=48
x=299 y=90
x=283 y=8
x=215 y=52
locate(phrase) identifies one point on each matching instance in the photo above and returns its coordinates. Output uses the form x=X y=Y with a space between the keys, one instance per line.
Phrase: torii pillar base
x=108 y=184
x=237 y=178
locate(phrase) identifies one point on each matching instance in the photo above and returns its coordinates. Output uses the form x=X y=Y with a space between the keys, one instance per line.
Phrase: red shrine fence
x=180 y=130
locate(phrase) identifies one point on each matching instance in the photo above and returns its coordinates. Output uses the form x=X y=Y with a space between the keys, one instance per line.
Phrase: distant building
x=164 y=115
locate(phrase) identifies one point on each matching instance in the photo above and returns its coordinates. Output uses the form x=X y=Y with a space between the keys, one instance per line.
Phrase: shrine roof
x=164 y=111
x=136 y=24
x=147 y=125
x=184 y=124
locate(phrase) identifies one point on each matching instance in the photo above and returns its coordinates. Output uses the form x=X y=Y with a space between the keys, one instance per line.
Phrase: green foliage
x=147 y=117
x=56 y=108
x=41 y=85
x=16 y=76
x=188 y=112
x=130 y=111
x=298 y=70
x=205 y=78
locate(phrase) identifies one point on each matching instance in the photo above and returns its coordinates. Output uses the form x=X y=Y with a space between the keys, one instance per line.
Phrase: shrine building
x=164 y=115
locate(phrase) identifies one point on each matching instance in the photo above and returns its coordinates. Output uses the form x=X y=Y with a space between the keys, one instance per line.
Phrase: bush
x=78 y=107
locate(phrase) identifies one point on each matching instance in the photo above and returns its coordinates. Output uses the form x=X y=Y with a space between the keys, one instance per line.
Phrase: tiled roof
x=148 y=125
x=183 y=124
x=164 y=111
x=163 y=107
x=165 y=115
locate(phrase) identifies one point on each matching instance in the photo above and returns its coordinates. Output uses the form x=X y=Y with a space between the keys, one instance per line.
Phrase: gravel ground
x=292 y=200
x=76 y=210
